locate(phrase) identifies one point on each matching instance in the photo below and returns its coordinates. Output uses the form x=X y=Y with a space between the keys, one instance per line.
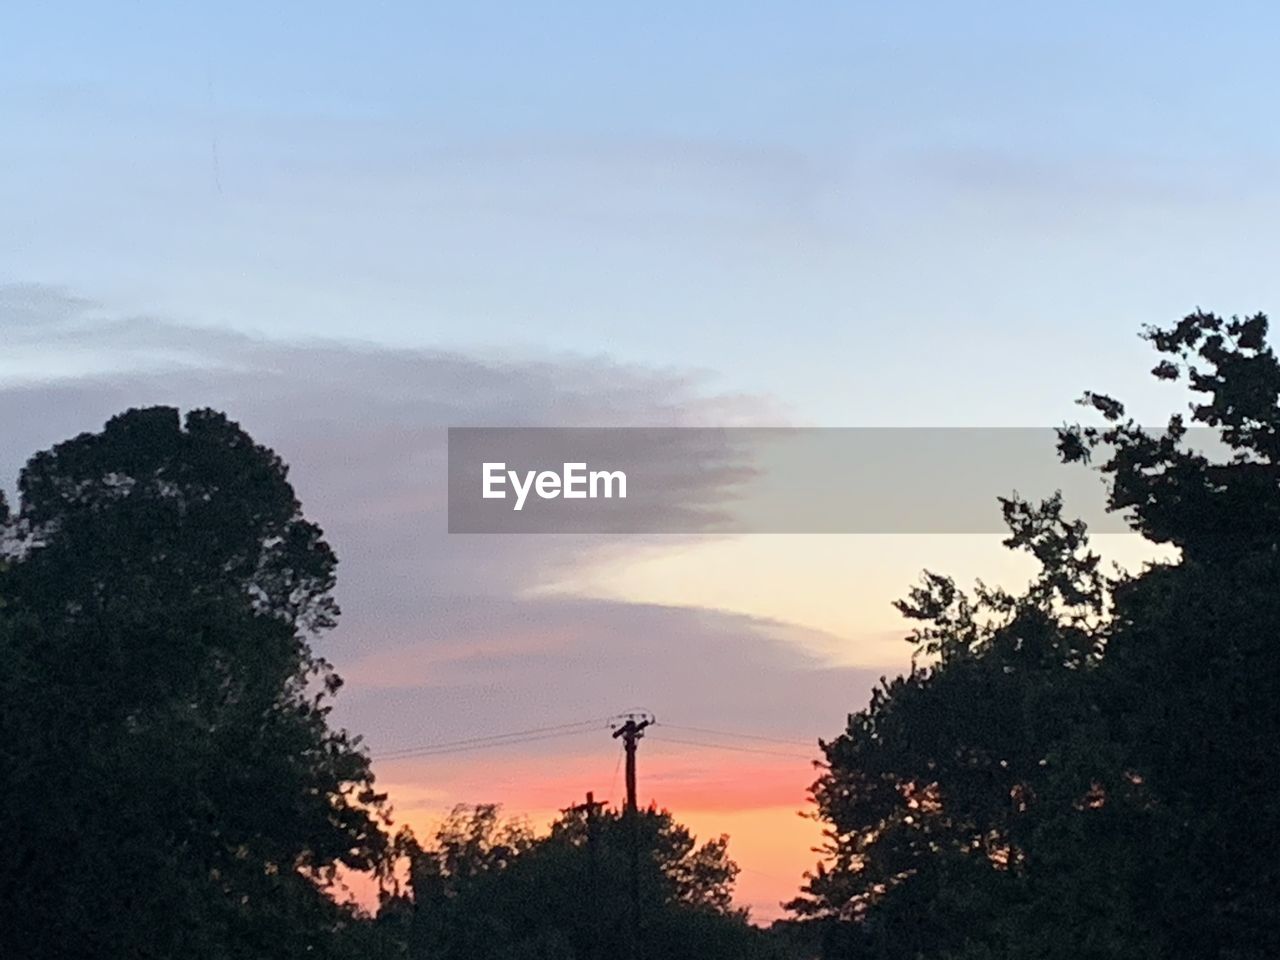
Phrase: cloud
x=589 y=658
x=442 y=635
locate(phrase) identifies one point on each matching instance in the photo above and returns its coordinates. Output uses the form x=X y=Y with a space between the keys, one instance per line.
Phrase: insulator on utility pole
x=630 y=728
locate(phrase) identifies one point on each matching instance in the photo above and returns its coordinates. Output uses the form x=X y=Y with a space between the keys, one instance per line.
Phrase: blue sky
x=838 y=214
x=873 y=214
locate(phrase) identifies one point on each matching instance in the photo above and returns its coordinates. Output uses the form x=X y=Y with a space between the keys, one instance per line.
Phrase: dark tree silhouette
x=1192 y=674
x=171 y=786
x=1087 y=769
x=488 y=888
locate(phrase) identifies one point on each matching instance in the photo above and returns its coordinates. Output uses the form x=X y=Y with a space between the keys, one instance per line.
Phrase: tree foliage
x=488 y=888
x=172 y=786
x=1087 y=768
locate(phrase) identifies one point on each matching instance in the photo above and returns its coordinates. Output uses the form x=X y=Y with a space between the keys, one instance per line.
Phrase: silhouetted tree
x=1191 y=679
x=171 y=785
x=1088 y=768
x=936 y=792
x=488 y=888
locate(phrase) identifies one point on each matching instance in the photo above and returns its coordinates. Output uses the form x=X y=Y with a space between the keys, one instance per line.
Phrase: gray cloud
x=439 y=638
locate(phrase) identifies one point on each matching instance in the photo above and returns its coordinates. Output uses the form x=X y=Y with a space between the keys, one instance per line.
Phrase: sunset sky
x=352 y=228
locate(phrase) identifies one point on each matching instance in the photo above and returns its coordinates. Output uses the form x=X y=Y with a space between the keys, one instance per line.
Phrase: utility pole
x=630 y=728
x=592 y=808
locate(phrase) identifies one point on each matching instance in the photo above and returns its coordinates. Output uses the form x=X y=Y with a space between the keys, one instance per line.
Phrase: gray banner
x=757 y=480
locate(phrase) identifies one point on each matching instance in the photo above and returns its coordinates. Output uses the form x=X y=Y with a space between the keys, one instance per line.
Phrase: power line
x=493 y=736
x=741 y=736
x=492 y=740
x=725 y=746
x=440 y=752
x=534 y=734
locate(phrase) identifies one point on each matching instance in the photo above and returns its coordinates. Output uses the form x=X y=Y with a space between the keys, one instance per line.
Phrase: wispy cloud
x=442 y=637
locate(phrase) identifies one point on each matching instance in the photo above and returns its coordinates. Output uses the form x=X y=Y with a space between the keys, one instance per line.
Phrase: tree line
x=170 y=783
x=1085 y=768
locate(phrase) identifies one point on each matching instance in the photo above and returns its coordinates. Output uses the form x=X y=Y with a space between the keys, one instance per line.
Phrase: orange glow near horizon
x=756 y=799
x=753 y=791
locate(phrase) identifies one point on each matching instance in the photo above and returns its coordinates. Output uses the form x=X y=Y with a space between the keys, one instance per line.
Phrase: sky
x=354 y=226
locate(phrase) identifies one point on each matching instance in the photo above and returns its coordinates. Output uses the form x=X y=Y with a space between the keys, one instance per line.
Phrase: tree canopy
x=172 y=784
x=1087 y=768
x=484 y=887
